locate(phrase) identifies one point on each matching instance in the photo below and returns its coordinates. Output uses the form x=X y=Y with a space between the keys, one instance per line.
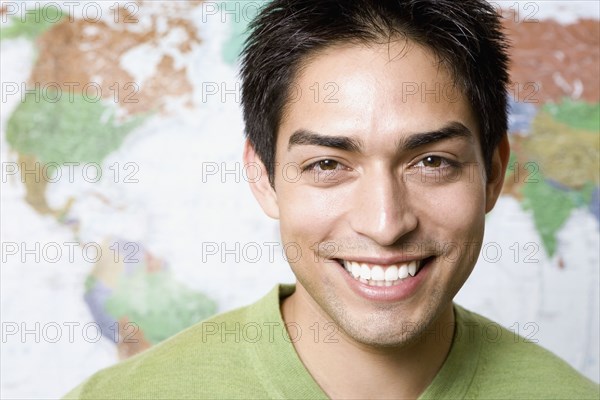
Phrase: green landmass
x=576 y=114
x=72 y=129
x=551 y=206
x=33 y=23
x=159 y=305
x=564 y=151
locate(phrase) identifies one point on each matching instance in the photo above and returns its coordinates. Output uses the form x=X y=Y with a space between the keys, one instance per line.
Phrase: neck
x=347 y=369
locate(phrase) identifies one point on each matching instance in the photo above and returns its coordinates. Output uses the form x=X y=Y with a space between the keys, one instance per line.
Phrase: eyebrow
x=452 y=130
x=306 y=137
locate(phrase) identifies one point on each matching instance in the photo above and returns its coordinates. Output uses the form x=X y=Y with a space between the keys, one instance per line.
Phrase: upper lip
x=384 y=261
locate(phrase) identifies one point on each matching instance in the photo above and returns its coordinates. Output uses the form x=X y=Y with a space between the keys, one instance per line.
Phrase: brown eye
x=328 y=165
x=432 y=162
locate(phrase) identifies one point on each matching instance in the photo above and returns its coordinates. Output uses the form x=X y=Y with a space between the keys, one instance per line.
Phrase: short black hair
x=466 y=36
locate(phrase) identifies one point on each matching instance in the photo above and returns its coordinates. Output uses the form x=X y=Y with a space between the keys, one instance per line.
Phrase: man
x=392 y=116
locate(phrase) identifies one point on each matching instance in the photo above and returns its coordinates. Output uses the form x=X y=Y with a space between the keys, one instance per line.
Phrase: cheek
x=306 y=216
x=452 y=212
x=307 y=220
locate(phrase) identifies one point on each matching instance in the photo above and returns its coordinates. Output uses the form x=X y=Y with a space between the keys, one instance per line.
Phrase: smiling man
x=376 y=189
x=393 y=117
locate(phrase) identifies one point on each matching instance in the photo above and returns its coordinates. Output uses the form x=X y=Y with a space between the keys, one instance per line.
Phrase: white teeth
x=412 y=268
x=355 y=269
x=391 y=274
x=403 y=271
x=377 y=275
x=365 y=272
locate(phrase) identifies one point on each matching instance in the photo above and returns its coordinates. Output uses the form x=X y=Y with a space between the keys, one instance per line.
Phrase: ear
x=259 y=182
x=496 y=179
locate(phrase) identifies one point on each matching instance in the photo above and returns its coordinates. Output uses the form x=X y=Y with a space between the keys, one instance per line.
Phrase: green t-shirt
x=248 y=354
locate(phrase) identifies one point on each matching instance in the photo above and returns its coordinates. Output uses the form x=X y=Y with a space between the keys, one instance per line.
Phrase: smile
x=382 y=275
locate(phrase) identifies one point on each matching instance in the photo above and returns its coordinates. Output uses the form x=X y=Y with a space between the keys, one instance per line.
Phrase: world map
x=98 y=94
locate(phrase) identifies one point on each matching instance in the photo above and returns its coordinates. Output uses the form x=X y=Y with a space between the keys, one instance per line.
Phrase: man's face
x=392 y=178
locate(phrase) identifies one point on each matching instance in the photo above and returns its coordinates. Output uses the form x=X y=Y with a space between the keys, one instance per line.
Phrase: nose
x=382 y=210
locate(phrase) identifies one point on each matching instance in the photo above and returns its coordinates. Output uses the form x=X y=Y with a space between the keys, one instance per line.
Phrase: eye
x=324 y=165
x=434 y=162
x=328 y=165
x=326 y=172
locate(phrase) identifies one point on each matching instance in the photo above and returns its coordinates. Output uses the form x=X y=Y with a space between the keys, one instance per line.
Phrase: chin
x=385 y=326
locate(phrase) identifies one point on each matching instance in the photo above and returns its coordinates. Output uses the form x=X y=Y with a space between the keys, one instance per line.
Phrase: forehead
x=377 y=92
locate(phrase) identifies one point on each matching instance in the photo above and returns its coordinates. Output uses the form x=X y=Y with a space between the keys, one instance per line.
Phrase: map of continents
x=100 y=101
x=81 y=105
x=555 y=121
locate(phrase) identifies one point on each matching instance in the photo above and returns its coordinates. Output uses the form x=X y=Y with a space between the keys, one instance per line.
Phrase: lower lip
x=397 y=292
